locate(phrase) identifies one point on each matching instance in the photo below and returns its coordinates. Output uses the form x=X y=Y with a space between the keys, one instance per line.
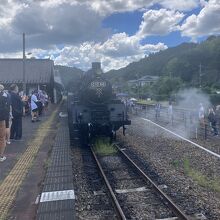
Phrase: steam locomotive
x=93 y=109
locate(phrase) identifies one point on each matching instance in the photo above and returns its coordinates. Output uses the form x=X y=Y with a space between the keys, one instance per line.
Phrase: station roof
x=37 y=71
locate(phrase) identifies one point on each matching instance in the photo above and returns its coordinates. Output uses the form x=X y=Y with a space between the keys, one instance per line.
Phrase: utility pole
x=139 y=88
x=24 y=67
x=200 y=75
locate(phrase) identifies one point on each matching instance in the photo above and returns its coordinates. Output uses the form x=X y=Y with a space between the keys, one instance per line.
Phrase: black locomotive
x=93 y=109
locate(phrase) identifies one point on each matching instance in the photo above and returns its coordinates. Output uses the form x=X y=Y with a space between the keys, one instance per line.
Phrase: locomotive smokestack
x=96 y=68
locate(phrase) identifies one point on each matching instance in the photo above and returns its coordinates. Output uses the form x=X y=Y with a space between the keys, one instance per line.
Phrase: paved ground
x=24 y=207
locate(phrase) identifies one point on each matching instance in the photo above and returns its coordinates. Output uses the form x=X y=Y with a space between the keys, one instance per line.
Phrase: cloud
x=88 y=52
x=107 y=7
x=120 y=45
x=185 y=5
x=102 y=7
x=115 y=53
x=8 y=10
x=72 y=32
x=159 y=22
x=205 y=23
x=46 y=26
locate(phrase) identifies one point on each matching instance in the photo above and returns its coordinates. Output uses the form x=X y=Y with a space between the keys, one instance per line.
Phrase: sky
x=113 y=32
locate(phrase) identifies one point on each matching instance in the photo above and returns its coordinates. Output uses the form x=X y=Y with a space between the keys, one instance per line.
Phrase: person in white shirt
x=170 y=112
x=201 y=114
x=34 y=107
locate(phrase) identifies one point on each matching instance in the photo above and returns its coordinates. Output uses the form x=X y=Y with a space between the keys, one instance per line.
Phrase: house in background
x=39 y=74
x=145 y=80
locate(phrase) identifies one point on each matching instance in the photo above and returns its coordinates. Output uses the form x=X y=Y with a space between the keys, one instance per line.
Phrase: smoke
x=186 y=114
x=191 y=98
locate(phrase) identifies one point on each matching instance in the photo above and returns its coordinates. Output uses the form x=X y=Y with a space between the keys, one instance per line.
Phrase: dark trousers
x=16 y=128
x=214 y=127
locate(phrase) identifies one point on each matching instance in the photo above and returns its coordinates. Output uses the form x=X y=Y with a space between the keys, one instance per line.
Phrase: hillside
x=69 y=75
x=186 y=61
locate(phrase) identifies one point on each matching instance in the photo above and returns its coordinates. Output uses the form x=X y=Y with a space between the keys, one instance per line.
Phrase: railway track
x=134 y=194
x=92 y=199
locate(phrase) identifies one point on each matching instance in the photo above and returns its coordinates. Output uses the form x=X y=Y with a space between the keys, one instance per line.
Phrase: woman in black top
x=17 y=113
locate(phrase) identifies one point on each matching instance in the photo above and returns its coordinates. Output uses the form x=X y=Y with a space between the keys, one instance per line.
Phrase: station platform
x=36 y=178
x=57 y=198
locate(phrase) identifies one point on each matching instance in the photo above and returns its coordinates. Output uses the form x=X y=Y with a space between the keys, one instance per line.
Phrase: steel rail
x=115 y=201
x=174 y=207
x=183 y=138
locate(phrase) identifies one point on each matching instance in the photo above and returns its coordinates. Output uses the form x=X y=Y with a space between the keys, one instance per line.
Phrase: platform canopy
x=37 y=71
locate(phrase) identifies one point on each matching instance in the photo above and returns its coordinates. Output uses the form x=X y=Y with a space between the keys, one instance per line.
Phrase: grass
x=47 y=163
x=103 y=147
x=176 y=164
x=202 y=180
x=143 y=101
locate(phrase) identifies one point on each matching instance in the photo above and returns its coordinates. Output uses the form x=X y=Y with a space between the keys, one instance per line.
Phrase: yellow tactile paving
x=11 y=184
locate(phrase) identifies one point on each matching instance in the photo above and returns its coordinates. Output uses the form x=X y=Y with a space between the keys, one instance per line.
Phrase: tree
x=166 y=86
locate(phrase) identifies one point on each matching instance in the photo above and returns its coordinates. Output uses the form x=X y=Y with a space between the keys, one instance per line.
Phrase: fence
x=184 y=121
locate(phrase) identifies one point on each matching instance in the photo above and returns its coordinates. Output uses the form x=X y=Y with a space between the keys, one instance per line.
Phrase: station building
x=39 y=74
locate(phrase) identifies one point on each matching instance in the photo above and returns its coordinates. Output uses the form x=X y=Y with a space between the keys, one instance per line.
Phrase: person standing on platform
x=9 y=116
x=3 y=116
x=17 y=113
x=34 y=107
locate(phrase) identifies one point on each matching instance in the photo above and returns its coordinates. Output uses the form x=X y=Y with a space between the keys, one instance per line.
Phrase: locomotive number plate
x=96 y=84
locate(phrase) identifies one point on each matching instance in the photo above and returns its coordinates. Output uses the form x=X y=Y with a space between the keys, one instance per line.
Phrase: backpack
x=3 y=107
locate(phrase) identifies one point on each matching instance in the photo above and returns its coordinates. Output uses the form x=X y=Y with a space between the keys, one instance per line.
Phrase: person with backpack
x=3 y=117
x=34 y=107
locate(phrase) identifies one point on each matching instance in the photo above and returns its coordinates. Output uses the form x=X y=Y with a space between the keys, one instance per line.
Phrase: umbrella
x=133 y=99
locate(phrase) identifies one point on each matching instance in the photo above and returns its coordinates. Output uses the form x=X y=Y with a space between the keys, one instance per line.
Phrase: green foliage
x=166 y=86
x=176 y=164
x=189 y=64
x=154 y=64
x=103 y=147
x=145 y=102
x=213 y=184
x=69 y=75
